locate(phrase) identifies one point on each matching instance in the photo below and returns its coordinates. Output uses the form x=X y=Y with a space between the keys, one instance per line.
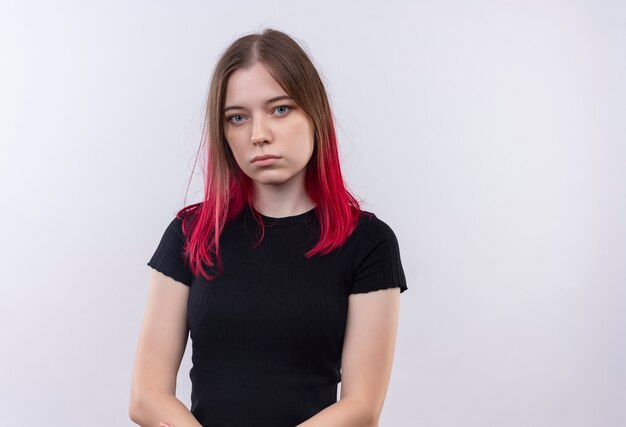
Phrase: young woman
x=285 y=285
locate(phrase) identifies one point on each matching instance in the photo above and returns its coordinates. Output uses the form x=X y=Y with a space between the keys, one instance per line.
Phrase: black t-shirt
x=267 y=333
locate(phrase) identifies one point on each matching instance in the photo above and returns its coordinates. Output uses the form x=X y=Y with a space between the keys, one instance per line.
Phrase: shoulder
x=175 y=228
x=169 y=256
x=174 y=233
x=373 y=234
x=371 y=227
x=184 y=221
x=376 y=262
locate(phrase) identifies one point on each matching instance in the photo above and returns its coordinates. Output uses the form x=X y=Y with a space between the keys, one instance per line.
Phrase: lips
x=263 y=157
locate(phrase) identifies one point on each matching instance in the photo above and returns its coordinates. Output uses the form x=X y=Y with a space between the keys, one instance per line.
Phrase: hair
x=227 y=189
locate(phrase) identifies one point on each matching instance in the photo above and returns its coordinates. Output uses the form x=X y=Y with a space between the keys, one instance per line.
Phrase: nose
x=259 y=132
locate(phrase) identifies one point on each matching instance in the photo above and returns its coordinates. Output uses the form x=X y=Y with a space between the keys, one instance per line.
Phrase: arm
x=344 y=413
x=367 y=357
x=163 y=406
x=162 y=342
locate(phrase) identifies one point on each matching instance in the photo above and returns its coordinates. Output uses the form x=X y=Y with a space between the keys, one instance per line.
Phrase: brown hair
x=228 y=189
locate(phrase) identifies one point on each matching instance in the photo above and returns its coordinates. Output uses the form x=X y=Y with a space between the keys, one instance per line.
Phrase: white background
x=489 y=135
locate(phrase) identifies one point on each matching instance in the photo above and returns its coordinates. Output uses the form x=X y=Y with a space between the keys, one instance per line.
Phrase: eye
x=283 y=106
x=288 y=107
x=234 y=115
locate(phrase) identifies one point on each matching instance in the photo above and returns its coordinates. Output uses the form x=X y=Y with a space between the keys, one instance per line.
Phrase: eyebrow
x=269 y=101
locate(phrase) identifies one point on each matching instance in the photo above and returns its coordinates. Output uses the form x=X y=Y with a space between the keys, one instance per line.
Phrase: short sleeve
x=168 y=257
x=377 y=264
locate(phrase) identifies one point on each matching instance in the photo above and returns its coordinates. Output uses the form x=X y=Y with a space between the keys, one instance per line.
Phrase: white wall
x=496 y=134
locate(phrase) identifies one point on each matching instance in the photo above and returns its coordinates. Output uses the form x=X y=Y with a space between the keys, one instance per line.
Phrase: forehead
x=253 y=85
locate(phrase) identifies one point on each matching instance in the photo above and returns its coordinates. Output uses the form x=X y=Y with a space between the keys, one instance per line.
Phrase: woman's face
x=256 y=124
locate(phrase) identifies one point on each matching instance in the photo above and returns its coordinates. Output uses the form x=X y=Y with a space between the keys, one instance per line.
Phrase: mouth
x=264 y=157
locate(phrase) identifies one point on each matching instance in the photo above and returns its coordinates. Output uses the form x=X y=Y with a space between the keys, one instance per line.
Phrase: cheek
x=237 y=155
x=232 y=142
x=302 y=131
x=309 y=135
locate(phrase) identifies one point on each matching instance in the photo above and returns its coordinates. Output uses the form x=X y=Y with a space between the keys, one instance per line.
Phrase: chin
x=271 y=181
x=266 y=178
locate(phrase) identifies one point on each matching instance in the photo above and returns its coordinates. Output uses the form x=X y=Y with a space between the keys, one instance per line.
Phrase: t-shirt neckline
x=293 y=219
